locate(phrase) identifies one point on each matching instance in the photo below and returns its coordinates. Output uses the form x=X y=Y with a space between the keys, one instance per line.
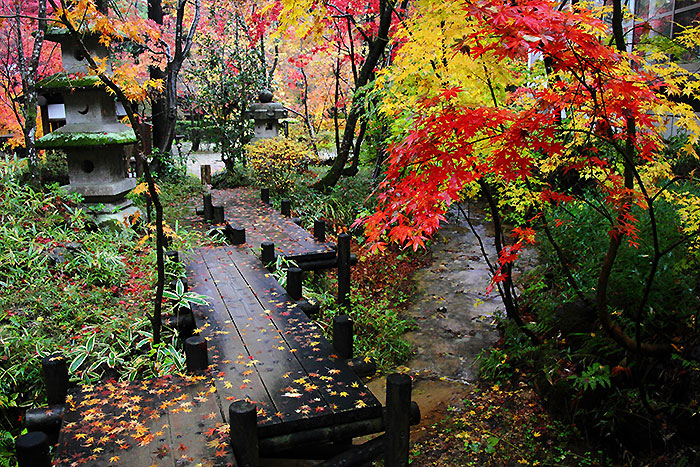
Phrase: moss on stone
x=62 y=139
x=62 y=81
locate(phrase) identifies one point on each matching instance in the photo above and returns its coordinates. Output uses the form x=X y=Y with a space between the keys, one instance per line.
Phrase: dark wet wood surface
x=262 y=348
x=262 y=223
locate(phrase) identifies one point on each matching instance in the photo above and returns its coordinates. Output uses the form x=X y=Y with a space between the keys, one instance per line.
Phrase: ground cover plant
x=502 y=424
x=72 y=288
x=382 y=287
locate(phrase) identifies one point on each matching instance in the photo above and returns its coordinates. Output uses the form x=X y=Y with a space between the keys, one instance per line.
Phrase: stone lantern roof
x=266 y=109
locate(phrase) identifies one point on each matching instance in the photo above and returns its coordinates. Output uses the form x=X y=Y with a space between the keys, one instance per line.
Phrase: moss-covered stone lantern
x=92 y=138
x=266 y=115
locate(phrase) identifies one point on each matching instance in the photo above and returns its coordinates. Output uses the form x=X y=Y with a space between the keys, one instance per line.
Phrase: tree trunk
x=158 y=104
x=376 y=49
x=611 y=328
x=354 y=166
x=28 y=72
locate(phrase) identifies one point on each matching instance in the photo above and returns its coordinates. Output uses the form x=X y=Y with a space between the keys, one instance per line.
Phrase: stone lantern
x=266 y=115
x=92 y=138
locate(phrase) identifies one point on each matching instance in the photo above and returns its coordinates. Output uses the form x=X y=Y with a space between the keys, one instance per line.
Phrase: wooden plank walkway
x=243 y=208
x=262 y=348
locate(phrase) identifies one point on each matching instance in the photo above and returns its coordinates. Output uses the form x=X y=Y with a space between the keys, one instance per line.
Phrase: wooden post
x=363 y=366
x=320 y=230
x=173 y=256
x=208 y=207
x=265 y=195
x=33 y=450
x=196 y=356
x=267 y=255
x=286 y=208
x=184 y=321
x=55 y=378
x=398 y=405
x=235 y=235
x=218 y=217
x=342 y=336
x=46 y=420
x=244 y=433
x=344 y=269
x=294 y=283
x=205 y=174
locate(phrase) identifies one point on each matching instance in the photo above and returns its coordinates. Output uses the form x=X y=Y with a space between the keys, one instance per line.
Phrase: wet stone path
x=454 y=319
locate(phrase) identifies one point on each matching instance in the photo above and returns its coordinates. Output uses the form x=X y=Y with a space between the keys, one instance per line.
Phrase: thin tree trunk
x=376 y=49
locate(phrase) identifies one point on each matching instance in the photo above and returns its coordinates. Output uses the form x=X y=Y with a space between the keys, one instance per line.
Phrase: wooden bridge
x=262 y=351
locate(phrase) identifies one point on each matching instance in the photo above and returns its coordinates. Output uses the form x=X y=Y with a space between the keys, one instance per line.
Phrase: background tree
x=23 y=61
x=226 y=73
x=363 y=32
x=173 y=48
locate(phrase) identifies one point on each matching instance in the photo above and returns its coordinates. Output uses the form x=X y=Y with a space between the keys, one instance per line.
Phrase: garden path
x=262 y=348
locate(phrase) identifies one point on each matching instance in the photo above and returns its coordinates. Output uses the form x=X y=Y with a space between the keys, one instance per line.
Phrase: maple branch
x=25 y=16
x=351 y=19
x=352 y=54
x=563 y=261
x=478 y=238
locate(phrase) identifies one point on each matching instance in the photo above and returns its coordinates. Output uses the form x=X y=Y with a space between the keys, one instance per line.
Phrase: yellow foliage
x=428 y=63
x=274 y=162
x=142 y=188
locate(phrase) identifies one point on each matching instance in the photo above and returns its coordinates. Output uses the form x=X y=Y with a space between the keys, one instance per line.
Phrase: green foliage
x=227 y=75
x=182 y=298
x=673 y=297
x=53 y=168
x=382 y=286
x=339 y=206
x=76 y=290
x=594 y=376
x=7 y=448
x=379 y=329
x=167 y=166
x=585 y=376
x=234 y=176
x=276 y=163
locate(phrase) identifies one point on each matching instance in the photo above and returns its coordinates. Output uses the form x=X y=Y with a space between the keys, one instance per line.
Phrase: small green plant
x=180 y=297
x=233 y=177
x=595 y=376
x=280 y=267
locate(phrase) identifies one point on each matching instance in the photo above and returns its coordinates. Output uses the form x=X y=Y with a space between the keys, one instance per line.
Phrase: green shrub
x=53 y=168
x=231 y=178
x=339 y=205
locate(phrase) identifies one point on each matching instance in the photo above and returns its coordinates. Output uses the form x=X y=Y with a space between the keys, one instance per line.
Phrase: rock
x=58 y=255
x=74 y=246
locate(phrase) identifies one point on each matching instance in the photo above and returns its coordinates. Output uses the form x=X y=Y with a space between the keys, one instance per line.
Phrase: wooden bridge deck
x=261 y=348
x=243 y=208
